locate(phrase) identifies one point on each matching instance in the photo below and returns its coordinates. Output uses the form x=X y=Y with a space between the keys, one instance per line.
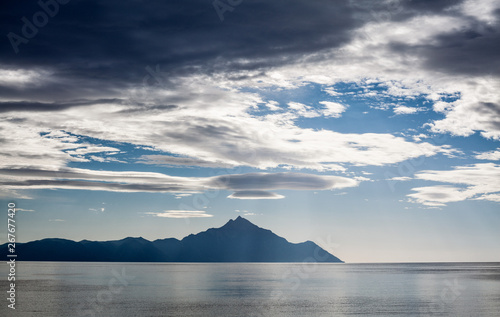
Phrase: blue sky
x=369 y=134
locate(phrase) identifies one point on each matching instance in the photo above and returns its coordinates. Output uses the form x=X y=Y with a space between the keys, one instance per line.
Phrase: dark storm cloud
x=394 y=10
x=115 y=40
x=98 y=46
x=425 y=6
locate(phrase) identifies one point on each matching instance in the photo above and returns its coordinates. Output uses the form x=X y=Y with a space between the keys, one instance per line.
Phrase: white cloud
x=273 y=105
x=483 y=10
x=332 y=109
x=401 y=110
x=303 y=110
x=181 y=214
x=105 y=159
x=21 y=77
x=476 y=110
x=255 y=194
x=418 y=138
x=438 y=195
x=21 y=209
x=491 y=155
x=400 y=179
x=210 y=126
x=478 y=182
x=331 y=91
x=84 y=149
x=174 y=161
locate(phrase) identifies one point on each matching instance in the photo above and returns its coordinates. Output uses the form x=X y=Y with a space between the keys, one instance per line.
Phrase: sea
x=251 y=289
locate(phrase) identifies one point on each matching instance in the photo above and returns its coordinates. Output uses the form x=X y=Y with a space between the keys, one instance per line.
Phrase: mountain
x=238 y=240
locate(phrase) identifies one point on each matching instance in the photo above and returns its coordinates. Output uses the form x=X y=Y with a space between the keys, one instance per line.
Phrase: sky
x=370 y=128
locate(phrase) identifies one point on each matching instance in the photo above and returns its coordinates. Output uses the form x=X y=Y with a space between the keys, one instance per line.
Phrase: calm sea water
x=302 y=289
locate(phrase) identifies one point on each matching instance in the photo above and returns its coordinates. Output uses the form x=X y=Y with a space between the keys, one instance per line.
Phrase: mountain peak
x=240 y=219
x=239 y=222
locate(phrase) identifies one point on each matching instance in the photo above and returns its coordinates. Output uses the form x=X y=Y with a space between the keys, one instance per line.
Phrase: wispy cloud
x=490 y=156
x=478 y=182
x=332 y=109
x=22 y=209
x=401 y=110
x=181 y=214
x=73 y=178
x=255 y=194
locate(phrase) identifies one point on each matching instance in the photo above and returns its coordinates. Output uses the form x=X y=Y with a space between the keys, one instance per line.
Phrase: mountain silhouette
x=238 y=240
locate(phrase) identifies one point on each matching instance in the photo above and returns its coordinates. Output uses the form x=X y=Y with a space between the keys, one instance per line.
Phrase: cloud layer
x=180 y=214
x=478 y=181
x=246 y=186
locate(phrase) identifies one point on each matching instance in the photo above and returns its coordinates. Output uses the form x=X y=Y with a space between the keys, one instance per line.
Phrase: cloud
x=255 y=194
x=472 y=113
x=438 y=195
x=400 y=179
x=181 y=214
x=477 y=182
x=82 y=179
x=203 y=135
x=273 y=105
x=16 y=106
x=401 y=110
x=21 y=209
x=182 y=36
x=491 y=155
x=303 y=110
x=332 y=109
x=86 y=149
x=275 y=181
x=174 y=161
x=104 y=159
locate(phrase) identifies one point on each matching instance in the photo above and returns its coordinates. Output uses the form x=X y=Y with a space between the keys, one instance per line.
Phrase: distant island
x=238 y=240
